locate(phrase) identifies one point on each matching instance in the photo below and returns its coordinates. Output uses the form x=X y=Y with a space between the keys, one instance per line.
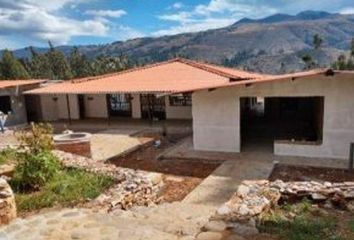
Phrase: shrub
x=39 y=138
x=34 y=170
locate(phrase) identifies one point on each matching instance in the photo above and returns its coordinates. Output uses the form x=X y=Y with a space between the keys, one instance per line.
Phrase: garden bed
x=301 y=173
x=180 y=176
x=67 y=189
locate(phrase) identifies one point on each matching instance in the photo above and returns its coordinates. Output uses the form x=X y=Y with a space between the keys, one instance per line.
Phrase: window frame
x=181 y=100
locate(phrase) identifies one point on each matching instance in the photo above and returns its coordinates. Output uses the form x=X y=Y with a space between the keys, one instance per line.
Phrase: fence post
x=351 y=157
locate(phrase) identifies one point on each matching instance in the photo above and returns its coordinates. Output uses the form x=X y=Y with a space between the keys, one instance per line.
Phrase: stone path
x=164 y=222
x=218 y=187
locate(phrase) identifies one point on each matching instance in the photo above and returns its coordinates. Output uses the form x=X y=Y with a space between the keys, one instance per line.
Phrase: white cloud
x=205 y=24
x=41 y=20
x=27 y=20
x=106 y=13
x=215 y=14
x=177 y=5
x=349 y=10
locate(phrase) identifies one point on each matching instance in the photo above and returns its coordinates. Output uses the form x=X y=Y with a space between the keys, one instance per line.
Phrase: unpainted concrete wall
x=216 y=115
x=177 y=112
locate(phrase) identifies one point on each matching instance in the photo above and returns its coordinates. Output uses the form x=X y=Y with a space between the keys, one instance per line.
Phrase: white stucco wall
x=49 y=108
x=216 y=115
x=18 y=108
x=136 y=106
x=63 y=109
x=177 y=112
x=96 y=106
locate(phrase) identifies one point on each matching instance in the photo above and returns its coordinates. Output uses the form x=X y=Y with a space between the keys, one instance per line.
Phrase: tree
x=104 y=64
x=39 y=65
x=58 y=64
x=352 y=48
x=308 y=61
x=317 y=41
x=11 y=68
x=79 y=64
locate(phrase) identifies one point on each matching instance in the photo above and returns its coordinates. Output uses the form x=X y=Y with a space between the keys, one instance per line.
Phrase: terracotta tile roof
x=15 y=83
x=175 y=75
x=270 y=78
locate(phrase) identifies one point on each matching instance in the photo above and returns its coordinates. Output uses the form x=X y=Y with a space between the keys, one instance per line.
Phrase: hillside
x=272 y=45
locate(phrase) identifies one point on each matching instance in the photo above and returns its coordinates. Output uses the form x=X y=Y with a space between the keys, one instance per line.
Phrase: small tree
x=317 y=41
x=308 y=61
x=36 y=163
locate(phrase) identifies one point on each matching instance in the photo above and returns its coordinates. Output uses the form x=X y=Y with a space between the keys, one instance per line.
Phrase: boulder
x=7 y=203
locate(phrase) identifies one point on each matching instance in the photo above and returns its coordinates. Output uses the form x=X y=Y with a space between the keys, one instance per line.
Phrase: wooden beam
x=351 y=157
x=68 y=108
x=108 y=102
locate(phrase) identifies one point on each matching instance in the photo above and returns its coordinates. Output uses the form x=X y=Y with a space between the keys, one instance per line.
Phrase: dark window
x=5 y=104
x=181 y=100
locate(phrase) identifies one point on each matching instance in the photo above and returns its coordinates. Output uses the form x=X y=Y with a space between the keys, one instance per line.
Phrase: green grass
x=7 y=155
x=305 y=227
x=309 y=223
x=351 y=225
x=67 y=188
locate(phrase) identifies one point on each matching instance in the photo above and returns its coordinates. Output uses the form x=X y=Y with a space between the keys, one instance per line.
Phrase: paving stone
x=215 y=226
x=234 y=237
x=209 y=236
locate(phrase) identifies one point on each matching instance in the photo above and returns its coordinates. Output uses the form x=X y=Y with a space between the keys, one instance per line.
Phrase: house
x=12 y=101
x=301 y=114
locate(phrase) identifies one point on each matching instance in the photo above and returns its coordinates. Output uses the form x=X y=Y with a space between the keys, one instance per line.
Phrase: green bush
x=67 y=188
x=7 y=155
x=34 y=170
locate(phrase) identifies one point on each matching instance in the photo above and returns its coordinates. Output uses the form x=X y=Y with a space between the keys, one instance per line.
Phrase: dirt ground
x=180 y=176
x=298 y=173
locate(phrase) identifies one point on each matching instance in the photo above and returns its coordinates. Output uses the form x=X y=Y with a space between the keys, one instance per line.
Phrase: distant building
x=14 y=103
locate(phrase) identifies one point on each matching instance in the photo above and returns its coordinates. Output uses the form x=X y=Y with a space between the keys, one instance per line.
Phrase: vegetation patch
x=40 y=181
x=303 y=221
x=7 y=156
x=67 y=188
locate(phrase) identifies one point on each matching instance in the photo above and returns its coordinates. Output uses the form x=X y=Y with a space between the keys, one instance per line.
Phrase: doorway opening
x=82 y=111
x=293 y=119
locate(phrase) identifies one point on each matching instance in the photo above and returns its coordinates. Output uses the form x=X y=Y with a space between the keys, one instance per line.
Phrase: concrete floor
x=223 y=182
x=252 y=152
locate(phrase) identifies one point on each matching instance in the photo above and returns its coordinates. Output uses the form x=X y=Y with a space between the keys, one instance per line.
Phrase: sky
x=80 y=22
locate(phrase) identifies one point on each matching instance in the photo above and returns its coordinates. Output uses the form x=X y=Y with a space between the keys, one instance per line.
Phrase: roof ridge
x=207 y=68
x=86 y=79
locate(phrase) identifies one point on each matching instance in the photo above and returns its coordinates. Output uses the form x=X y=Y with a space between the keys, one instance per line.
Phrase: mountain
x=274 y=44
